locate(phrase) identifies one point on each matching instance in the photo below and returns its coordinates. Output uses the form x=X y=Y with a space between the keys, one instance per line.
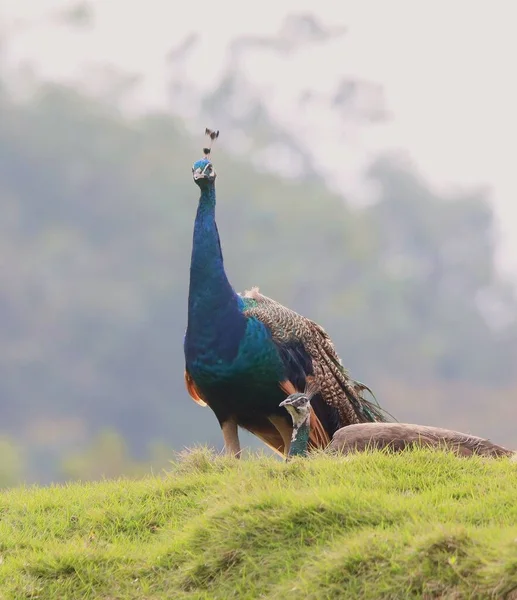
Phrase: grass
x=421 y=524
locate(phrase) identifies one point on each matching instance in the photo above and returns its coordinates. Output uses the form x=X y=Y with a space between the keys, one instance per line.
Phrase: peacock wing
x=193 y=390
x=307 y=350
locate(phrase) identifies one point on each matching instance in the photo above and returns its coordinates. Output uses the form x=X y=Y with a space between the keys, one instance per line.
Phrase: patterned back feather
x=335 y=385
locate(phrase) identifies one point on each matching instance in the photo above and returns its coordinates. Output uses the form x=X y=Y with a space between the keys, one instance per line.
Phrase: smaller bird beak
x=284 y=402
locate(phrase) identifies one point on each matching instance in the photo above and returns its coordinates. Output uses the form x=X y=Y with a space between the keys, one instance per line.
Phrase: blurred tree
x=107 y=456
x=438 y=254
x=80 y=15
x=12 y=463
x=95 y=240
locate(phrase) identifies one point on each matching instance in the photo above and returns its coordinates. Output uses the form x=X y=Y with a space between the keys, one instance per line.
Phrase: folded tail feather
x=334 y=381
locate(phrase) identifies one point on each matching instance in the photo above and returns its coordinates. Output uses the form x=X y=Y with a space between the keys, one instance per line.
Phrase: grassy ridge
x=417 y=525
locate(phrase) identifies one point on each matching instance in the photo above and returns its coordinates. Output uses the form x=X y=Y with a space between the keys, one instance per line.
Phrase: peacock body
x=246 y=353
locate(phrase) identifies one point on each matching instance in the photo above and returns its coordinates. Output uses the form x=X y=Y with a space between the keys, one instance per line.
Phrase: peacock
x=245 y=353
x=396 y=436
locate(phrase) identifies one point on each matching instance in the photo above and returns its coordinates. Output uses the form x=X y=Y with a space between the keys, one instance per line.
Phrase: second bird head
x=298 y=405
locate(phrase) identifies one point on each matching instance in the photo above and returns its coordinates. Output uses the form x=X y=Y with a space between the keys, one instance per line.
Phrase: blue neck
x=300 y=440
x=206 y=265
x=213 y=305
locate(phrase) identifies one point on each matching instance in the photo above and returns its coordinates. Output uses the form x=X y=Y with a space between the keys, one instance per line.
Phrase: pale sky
x=448 y=71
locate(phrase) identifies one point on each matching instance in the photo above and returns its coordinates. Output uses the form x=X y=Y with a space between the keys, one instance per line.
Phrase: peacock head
x=298 y=405
x=203 y=172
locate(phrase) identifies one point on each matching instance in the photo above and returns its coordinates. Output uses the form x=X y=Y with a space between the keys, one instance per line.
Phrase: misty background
x=365 y=179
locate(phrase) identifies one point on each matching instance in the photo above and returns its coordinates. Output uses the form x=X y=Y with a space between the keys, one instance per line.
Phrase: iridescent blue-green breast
x=256 y=364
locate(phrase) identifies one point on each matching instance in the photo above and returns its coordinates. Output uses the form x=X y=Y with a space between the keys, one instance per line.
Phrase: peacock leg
x=232 y=445
x=284 y=429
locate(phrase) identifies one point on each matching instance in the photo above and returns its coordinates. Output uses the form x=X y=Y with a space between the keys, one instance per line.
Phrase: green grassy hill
x=418 y=525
